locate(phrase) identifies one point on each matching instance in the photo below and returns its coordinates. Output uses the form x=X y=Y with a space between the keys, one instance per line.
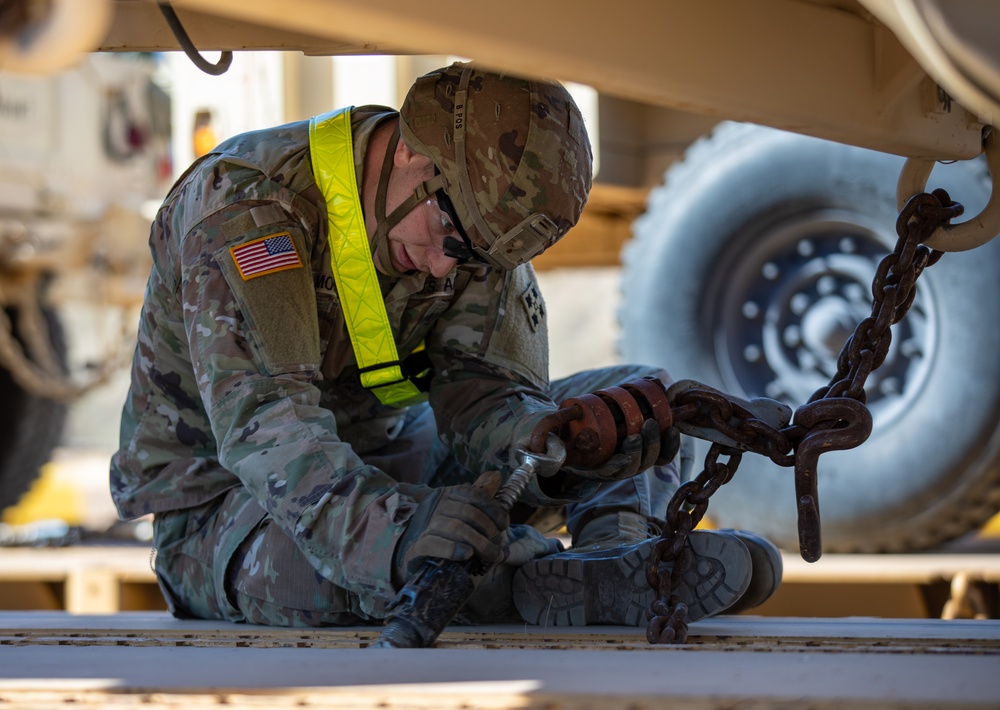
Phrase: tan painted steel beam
x=802 y=66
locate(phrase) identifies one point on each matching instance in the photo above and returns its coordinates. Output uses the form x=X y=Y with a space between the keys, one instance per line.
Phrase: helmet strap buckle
x=527 y=239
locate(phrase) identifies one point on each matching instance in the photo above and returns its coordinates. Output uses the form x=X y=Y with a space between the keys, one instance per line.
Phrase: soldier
x=312 y=285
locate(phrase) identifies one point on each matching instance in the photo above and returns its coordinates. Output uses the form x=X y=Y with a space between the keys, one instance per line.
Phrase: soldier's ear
x=404 y=157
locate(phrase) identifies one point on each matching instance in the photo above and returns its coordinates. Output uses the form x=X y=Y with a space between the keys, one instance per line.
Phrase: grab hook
x=972 y=233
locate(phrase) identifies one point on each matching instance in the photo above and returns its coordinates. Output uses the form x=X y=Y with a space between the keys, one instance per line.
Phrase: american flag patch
x=265 y=256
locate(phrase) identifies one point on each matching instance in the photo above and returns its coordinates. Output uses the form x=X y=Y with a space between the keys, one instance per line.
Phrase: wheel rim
x=788 y=296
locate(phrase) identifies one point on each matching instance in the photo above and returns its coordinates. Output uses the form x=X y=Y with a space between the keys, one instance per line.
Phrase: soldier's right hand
x=459 y=523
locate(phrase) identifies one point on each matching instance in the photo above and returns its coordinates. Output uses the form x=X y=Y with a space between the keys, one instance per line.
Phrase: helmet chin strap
x=383 y=223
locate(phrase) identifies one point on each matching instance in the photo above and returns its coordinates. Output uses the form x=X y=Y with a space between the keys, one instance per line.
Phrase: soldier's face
x=417 y=242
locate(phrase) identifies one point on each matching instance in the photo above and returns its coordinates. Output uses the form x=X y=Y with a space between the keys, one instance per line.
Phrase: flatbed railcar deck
x=150 y=660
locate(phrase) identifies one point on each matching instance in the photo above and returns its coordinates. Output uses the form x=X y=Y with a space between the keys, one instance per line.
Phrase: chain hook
x=973 y=232
x=833 y=424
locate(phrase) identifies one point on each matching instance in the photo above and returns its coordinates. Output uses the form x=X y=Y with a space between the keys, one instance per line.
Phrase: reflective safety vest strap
x=332 y=154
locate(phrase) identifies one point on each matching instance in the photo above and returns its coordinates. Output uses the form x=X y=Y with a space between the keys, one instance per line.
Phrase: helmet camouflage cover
x=513 y=153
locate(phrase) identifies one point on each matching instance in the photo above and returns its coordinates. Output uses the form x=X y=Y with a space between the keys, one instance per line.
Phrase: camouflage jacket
x=253 y=381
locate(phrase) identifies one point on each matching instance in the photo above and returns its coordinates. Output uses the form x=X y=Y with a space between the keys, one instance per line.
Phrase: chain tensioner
x=593 y=426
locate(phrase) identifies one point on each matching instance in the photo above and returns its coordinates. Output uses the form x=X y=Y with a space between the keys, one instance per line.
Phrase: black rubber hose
x=188 y=46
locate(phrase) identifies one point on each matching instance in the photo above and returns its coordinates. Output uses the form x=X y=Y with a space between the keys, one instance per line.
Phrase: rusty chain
x=834 y=418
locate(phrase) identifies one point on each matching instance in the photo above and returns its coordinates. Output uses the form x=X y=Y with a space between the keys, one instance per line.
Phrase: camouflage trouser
x=226 y=560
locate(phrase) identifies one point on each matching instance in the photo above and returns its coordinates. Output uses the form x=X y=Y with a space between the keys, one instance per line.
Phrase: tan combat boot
x=602 y=579
x=767 y=570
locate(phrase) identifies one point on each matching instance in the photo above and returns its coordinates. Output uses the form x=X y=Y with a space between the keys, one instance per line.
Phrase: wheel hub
x=791 y=298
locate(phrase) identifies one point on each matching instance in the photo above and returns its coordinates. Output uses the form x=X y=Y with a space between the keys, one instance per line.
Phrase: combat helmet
x=512 y=157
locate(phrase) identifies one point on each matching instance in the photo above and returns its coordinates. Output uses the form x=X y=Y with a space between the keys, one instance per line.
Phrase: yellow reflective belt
x=351 y=258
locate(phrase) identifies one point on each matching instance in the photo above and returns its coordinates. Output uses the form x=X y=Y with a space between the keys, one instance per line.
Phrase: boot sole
x=607 y=588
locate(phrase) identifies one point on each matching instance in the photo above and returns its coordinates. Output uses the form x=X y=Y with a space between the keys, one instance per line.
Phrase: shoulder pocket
x=272 y=283
x=521 y=339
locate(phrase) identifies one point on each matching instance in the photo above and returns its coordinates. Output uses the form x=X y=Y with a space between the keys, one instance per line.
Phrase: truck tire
x=750 y=268
x=30 y=426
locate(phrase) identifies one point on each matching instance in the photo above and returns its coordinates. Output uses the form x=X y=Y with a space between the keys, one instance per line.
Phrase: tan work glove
x=637 y=453
x=459 y=523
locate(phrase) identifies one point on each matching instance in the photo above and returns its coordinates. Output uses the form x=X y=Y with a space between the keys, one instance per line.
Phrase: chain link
x=834 y=418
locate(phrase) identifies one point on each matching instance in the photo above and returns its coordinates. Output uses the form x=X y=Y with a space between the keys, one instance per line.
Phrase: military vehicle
x=82 y=153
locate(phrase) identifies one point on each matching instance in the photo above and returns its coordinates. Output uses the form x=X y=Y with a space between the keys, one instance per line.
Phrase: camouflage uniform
x=278 y=485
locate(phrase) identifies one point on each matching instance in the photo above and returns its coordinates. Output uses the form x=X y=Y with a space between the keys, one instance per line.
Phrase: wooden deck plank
x=923 y=568
x=104 y=579
x=131 y=563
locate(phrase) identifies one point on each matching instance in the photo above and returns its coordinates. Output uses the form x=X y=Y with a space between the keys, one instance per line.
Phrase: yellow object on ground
x=52 y=496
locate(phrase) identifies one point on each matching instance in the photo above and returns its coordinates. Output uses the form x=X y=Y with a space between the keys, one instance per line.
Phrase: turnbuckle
x=593 y=426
